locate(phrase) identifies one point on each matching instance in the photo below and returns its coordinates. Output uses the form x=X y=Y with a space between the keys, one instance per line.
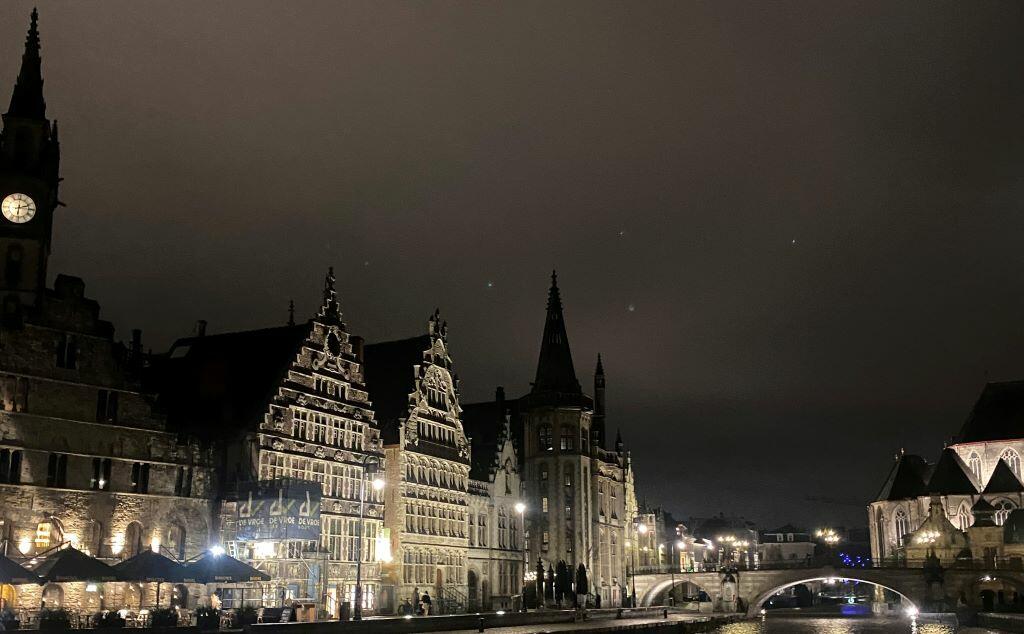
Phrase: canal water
x=803 y=625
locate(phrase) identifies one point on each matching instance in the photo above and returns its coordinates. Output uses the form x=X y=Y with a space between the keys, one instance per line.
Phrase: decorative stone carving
x=277 y=444
x=320 y=452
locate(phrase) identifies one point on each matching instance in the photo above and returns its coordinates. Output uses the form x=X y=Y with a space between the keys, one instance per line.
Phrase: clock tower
x=29 y=161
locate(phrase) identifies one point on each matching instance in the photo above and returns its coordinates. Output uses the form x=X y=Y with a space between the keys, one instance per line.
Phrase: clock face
x=18 y=208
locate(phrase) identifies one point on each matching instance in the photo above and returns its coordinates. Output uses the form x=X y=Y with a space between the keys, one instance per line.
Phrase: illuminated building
x=85 y=459
x=287 y=403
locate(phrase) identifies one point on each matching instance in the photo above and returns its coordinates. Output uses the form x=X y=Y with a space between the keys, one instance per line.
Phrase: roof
x=997 y=415
x=556 y=377
x=906 y=479
x=950 y=476
x=1003 y=480
x=219 y=384
x=788 y=528
x=484 y=423
x=391 y=378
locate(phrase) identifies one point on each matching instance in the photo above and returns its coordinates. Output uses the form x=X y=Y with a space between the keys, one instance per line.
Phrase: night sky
x=794 y=231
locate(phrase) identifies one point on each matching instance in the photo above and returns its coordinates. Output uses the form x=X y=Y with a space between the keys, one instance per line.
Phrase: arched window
x=974 y=462
x=902 y=524
x=544 y=436
x=1012 y=459
x=1003 y=508
x=176 y=541
x=133 y=539
x=963 y=518
x=53 y=596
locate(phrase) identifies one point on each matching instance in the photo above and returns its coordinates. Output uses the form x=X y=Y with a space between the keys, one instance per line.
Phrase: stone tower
x=557 y=447
x=29 y=161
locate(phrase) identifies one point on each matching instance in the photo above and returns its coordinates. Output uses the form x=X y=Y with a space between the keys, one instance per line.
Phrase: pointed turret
x=27 y=101
x=330 y=310
x=618 y=441
x=555 y=371
x=598 y=426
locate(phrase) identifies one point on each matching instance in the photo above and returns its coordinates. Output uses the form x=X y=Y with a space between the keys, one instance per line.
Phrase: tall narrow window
x=974 y=462
x=183 y=482
x=100 y=474
x=902 y=525
x=567 y=439
x=140 y=477
x=1012 y=460
x=57 y=470
x=106 y=406
x=132 y=540
x=10 y=466
x=67 y=351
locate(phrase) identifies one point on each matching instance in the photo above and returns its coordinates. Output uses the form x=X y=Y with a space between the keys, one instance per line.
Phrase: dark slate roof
x=950 y=476
x=390 y=378
x=485 y=425
x=1003 y=480
x=217 y=385
x=906 y=480
x=998 y=414
x=556 y=382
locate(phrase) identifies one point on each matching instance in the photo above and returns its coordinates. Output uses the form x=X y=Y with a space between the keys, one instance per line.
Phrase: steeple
x=618 y=441
x=555 y=372
x=598 y=426
x=27 y=101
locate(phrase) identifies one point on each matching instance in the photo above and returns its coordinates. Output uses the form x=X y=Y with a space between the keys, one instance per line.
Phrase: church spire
x=599 y=414
x=27 y=101
x=555 y=372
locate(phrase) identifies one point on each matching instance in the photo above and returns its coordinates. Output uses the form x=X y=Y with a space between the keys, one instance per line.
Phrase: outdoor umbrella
x=12 y=573
x=150 y=566
x=211 y=568
x=69 y=564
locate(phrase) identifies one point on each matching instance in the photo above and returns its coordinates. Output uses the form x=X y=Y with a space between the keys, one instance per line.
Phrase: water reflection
x=835 y=626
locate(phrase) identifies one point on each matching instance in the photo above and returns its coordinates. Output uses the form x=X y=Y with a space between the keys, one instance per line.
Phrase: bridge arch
x=655 y=592
x=754 y=606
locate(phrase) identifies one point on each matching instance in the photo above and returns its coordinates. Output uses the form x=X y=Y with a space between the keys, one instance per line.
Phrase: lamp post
x=630 y=571
x=370 y=465
x=676 y=545
x=521 y=509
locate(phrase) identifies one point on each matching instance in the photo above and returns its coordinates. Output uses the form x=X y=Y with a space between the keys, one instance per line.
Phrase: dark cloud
x=219 y=156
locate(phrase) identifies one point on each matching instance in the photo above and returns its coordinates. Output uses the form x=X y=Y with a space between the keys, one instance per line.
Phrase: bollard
x=666 y=613
x=618 y=614
x=481 y=624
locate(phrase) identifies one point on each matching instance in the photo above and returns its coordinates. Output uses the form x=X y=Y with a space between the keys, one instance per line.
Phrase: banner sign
x=286 y=508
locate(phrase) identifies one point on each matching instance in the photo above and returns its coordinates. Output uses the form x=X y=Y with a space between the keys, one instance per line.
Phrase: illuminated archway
x=754 y=607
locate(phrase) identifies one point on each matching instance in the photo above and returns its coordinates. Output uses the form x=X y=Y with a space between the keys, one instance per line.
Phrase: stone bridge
x=927 y=589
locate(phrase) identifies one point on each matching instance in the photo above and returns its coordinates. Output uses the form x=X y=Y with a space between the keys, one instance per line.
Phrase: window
x=543 y=473
x=1012 y=460
x=974 y=462
x=106 y=406
x=57 y=470
x=566 y=439
x=10 y=466
x=544 y=504
x=53 y=596
x=15 y=393
x=544 y=435
x=482 y=532
x=132 y=540
x=902 y=524
x=100 y=474
x=67 y=351
x=545 y=540
x=183 y=482
x=963 y=517
x=568 y=476
x=584 y=440
x=1003 y=508
x=140 y=477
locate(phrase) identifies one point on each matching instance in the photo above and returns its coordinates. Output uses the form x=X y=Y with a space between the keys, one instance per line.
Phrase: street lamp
x=632 y=570
x=370 y=465
x=521 y=509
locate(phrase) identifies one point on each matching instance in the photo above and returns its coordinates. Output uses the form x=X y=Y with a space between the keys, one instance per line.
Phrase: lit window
x=1012 y=459
x=544 y=435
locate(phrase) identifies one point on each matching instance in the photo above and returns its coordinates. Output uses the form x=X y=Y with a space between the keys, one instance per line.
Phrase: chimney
x=357 y=347
x=200 y=328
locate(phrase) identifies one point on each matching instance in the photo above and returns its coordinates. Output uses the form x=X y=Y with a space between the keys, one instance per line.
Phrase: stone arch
x=972 y=588
x=754 y=606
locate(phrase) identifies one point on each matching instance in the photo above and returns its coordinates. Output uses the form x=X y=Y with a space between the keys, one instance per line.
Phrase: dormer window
x=1012 y=460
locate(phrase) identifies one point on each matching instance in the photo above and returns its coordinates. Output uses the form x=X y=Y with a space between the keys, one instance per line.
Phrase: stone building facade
x=497 y=565
x=288 y=402
x=416 y=397
x=980 y=471
x=86 y=459
x=581 y=504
